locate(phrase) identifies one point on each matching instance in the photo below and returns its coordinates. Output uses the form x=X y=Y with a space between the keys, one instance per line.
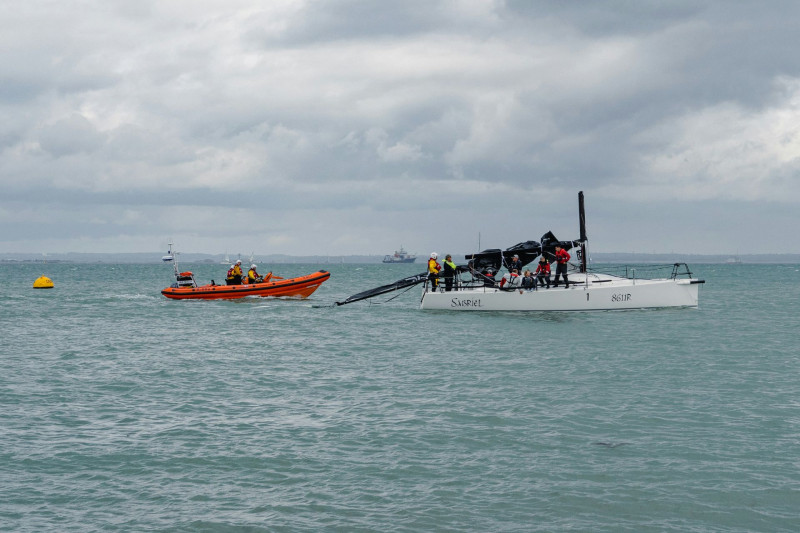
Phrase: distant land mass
x=155 y=257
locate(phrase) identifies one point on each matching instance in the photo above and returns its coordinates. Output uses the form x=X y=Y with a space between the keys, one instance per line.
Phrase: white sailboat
x=170 y=256
x=588 y=290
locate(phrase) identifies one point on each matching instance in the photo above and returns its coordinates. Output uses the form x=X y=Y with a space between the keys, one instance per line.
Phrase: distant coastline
x=155 y=257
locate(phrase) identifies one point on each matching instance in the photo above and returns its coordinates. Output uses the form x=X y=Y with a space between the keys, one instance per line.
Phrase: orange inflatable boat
x=301 y=287
x=186 y=288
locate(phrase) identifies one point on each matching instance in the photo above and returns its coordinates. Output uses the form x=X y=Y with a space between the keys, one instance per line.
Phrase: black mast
x=582 y=221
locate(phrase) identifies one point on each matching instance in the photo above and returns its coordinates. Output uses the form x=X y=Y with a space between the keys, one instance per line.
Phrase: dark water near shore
x=123 y=411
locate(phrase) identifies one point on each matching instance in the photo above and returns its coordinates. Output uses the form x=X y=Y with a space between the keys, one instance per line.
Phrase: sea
x=123 y=411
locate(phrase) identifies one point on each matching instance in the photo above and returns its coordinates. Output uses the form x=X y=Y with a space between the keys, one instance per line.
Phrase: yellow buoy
x=43 y=282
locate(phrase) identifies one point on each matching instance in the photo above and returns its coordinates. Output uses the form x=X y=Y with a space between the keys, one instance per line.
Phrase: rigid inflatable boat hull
x=300 y=287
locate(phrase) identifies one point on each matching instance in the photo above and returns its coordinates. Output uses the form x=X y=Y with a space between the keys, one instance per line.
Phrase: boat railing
x=472 y=281
x=644 y=271
x=461 y=282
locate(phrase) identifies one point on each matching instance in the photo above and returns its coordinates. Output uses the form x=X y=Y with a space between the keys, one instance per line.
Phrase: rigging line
x=397 y=296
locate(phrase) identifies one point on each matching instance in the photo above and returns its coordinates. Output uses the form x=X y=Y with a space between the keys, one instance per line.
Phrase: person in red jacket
x=562 y=257
x=543 y=272
x=234 y=276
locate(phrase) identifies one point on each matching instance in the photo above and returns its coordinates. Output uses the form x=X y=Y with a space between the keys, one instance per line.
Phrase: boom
x=383 y=289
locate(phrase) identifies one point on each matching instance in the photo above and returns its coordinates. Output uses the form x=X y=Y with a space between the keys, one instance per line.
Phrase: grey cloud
x=601 y=19
x=69 y=136
x=321 y=21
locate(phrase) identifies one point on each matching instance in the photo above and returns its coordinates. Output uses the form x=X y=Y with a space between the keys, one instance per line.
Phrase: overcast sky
x=353 y=127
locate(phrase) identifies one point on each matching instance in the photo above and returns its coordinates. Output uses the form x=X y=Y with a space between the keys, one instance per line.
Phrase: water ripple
x=128 y=412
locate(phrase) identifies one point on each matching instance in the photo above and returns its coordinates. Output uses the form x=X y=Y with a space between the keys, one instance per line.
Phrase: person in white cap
x=433 y=271
x=252 y=275
x=234 y=276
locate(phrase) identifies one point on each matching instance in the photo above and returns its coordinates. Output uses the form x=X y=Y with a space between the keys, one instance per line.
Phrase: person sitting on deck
x=543 y=272
x=511 y=280
x=528 y=281
x=235 y=274
x=488 y=278
x=252 y=275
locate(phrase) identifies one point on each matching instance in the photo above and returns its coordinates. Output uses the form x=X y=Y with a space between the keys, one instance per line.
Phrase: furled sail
x=490 y=259
x=527 y=251
x=493 y=259
x=549 y=243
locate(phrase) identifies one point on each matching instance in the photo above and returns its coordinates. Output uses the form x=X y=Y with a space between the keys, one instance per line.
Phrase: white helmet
x=252 y=266
x=239 y=262
x=434 y=255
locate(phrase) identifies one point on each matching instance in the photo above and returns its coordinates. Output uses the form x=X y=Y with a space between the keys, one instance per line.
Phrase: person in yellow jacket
x=235 y=274
x=450 y=269
x=433 y=271
x=254 y=277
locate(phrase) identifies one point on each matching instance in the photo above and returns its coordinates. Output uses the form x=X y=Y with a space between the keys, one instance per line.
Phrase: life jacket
x=562 y=256
x=543 y=268
x=433 y=266
x=234 y=271
x=512 y=279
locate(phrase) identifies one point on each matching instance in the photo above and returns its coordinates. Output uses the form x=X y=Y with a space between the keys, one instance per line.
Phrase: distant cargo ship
x=400 y=256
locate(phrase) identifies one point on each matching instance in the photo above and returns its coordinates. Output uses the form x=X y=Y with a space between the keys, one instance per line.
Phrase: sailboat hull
x=601 y=293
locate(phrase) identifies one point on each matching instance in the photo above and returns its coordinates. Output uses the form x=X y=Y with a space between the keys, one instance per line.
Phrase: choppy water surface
x=123 y=411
